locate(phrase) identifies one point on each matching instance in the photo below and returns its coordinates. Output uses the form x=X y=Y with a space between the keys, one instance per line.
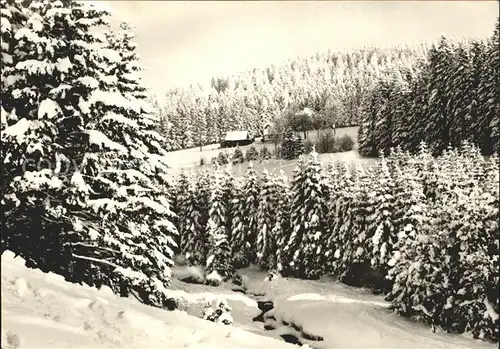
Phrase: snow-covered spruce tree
x=229 y=188
x=305 y=247
x=203 y=186
x=132 y=183
x=190 y=230
x=126 y=241
x=353 y=264
x=342 y=185
x=476 y=302
x=408 y=202
x=218 y=266
x=266 y=245
x=245 y=227
x=382 y=229
x=490 y=85
x=235 y=231
x=281 y=229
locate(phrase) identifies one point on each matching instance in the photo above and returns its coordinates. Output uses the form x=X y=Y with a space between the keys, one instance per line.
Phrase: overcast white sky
x=182 y=42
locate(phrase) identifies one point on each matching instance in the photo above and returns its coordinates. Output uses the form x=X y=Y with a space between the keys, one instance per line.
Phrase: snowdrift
x=41 y=310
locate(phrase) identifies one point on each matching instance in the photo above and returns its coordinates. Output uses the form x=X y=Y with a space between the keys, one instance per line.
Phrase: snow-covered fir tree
x=245 y=225
x=203 y=186
x=229 y=193
x=113 y=220
x=190 y=230
x=304 y=249
x=236 y=229
x=266 y=243
x=444 y=268
x=281 y=229
x=381 y=225
x=218 y=265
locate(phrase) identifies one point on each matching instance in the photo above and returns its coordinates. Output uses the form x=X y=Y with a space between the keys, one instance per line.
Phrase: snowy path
x=41 y=310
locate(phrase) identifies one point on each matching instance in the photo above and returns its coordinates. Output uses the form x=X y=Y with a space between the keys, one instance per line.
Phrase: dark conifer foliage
x=450 y=97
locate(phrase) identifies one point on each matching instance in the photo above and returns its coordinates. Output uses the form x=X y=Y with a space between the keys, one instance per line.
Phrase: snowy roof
x=236 y=135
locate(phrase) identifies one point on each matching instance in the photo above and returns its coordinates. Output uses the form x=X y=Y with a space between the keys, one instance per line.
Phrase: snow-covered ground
x=345 y=317
x=41 y=310
x=190 y=158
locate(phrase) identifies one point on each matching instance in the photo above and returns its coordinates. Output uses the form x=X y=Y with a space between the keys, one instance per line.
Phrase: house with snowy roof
x=236 y=138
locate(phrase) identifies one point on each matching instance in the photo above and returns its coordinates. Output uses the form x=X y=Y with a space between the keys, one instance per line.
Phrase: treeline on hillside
x=422 y=229
x=451 y=97
x=84 y=183
x=333 y=85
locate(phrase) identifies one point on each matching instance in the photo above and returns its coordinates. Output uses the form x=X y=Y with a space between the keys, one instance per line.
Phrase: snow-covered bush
x=218 y=311
x=291 y=146
x=252 y=154
x=237 y=156
x=189 y=274
x=223 y=158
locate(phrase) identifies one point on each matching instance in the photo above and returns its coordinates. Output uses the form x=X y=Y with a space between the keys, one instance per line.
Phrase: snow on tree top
x=100 y=139
x=115 y=99
x=64 y=65
x=3 y=116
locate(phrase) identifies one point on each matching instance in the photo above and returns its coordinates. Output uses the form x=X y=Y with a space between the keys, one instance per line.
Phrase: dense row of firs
x=423 y=230
x=82 y=167
x=451 y=97
x=335 y=85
